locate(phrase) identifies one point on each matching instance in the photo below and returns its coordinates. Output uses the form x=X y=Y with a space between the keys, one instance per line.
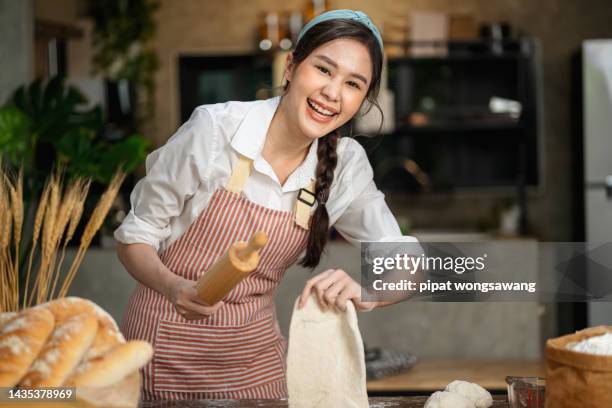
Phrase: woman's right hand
x=182 y=294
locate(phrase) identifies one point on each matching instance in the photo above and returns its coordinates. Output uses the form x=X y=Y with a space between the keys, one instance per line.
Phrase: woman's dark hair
x=315 y=37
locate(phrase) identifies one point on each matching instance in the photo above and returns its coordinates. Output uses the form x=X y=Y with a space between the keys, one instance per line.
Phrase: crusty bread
x=82 y=347
x=105 y=318
x=113 y=366
x=66 y=308
x=62 y=352
x=22 y=337
x=108 y=335
x=5 y=317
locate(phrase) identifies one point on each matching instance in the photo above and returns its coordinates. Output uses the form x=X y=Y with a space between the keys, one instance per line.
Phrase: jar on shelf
x=269 y=32
x=314 y=8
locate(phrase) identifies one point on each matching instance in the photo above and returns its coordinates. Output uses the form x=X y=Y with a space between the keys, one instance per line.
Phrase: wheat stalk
x=78 y=209
x=5 y=209
x=38 y=219
x=47 y=243
x=5 y=240
x=4 y=287
x=93 y=225
x=4 y=284
x=4 y=256
x=57 y=216
x=62 y=212
x=16 y=194
x=3 y=243
x=17 y=200
x=63 y=217
x=3 y=260
x=66 y=216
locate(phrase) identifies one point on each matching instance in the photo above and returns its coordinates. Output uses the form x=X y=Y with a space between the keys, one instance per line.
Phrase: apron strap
x=303 y=205
x=240 y=174
x=305 y=199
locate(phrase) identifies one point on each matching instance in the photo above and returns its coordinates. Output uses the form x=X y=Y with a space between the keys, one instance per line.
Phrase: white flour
x=16 y=344
x=601 y=345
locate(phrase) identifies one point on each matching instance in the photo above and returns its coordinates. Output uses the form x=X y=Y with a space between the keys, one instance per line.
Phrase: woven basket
x=575 y=379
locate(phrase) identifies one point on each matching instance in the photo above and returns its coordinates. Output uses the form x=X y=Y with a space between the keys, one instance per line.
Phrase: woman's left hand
x=333 y=288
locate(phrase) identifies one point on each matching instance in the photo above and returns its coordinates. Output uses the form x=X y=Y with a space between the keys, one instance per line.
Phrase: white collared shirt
x=182 y=175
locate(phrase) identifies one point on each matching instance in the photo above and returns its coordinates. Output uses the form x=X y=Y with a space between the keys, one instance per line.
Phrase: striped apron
x=238 y=352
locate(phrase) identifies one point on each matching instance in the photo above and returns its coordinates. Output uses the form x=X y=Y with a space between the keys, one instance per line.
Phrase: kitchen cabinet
x=467 y=117
x=206 y=79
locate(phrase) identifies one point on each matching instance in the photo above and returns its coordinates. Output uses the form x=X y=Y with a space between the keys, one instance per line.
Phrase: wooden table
x=432 y=375
x=376 y=402
x=426 y=377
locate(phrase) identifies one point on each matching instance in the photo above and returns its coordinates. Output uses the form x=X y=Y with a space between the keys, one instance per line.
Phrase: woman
x=237 y=168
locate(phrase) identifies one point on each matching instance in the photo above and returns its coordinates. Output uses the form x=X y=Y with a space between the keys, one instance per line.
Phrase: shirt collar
x=251 y=135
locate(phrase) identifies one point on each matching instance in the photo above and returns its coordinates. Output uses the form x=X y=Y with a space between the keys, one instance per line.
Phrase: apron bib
x=238 y=352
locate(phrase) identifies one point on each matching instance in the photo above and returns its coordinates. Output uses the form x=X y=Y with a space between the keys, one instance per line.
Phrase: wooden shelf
x=460 y=127
x=478 y=49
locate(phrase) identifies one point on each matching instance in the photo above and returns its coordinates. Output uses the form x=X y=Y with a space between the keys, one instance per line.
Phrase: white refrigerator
x=597 y=131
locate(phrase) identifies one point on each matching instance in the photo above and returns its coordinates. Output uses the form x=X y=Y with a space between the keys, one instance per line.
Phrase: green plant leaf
x=51 y=115
x=16 y=139
x=75 y=144
x=55 y=108
x=127 y=154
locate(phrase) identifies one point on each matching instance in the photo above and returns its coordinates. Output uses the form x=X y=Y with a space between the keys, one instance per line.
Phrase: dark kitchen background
x=483 y=140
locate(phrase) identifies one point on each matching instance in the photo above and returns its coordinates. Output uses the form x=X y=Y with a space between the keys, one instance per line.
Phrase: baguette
x=113 y=366
x=66 y=308
x=5 y=317
x=62 y=352
x=21 y=339
x=108 y=335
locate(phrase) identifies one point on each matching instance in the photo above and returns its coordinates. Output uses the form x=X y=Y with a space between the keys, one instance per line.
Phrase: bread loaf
x=62 y=352
x=66 y=308
x=82 y=346
x=108 y=335
x=22 y=337
x=5 y=317
x=113 y=366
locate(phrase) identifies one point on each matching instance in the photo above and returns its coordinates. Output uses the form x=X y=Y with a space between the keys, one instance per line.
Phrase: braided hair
x=326 y=152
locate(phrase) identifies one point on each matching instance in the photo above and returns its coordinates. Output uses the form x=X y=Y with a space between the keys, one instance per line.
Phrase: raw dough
x=325 y=363
x=445 y=399
x=472 y=391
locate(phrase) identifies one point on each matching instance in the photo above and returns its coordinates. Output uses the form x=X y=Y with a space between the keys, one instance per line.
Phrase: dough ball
x=474 y=392
x=445 y=399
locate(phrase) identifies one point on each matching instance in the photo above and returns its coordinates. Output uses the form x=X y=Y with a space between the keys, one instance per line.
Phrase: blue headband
x=358 y=16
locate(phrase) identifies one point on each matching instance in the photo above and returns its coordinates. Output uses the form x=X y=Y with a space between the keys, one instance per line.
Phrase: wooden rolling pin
x=236 y=264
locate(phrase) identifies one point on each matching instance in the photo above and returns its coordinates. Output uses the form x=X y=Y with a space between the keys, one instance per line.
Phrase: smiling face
x=328 y=87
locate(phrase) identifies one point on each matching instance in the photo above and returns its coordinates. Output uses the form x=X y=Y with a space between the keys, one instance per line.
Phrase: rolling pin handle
x=257 y=241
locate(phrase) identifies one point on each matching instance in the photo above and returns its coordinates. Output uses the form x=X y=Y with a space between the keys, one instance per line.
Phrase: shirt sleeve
x=367 y=217
x=173 y=174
